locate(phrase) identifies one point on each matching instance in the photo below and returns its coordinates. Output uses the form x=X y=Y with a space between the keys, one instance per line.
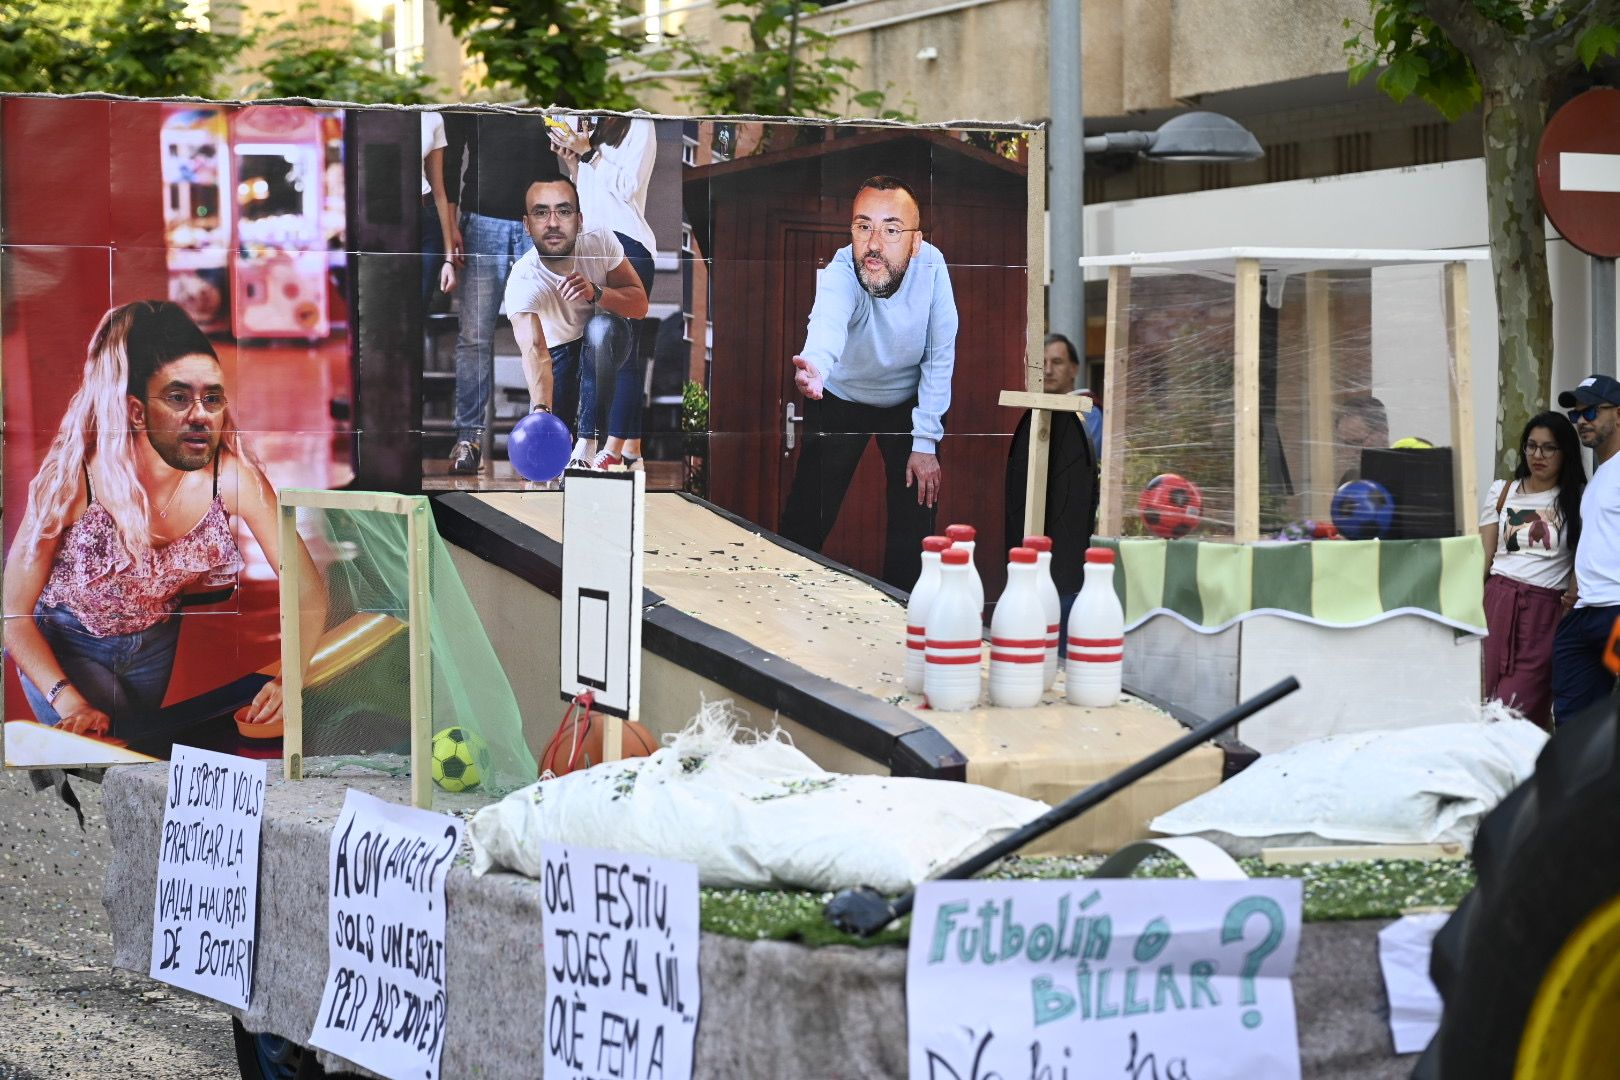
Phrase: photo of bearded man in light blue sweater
x=877 y=363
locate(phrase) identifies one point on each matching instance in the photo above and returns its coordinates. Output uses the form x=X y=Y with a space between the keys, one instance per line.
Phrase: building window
x=1431 y=143
x=1353 y=152
x=688 y=151
x=405 y=35
x=1282 y=162
x=686 y=327
x=686 y=239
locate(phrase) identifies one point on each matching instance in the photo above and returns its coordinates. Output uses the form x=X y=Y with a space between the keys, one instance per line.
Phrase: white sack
x=1426 y=785
x=757 y=815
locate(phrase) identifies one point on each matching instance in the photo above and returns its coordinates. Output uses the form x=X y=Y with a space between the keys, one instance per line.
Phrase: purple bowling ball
x=539 y=446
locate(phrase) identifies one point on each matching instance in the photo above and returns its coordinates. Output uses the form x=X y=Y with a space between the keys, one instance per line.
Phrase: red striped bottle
x=961 y=536
x=922 y=598
x=1096 y=635
x=955 y=638
x=1018 y=635
x=1050 y=601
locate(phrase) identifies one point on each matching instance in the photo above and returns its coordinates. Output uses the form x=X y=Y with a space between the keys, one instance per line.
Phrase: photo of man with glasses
x=1579 y=676
x=877 y=363
x=553 y=291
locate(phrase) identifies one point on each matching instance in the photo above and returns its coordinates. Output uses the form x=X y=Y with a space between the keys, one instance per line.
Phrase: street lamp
x=1194 y=136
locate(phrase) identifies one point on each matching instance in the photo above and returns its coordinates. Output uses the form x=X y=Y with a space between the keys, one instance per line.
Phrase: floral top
x=110 y=592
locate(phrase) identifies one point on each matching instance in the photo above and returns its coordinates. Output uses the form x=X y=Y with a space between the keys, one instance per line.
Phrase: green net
x=357 y=698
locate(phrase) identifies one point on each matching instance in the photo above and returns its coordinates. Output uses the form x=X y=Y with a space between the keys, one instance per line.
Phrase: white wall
x=1431 y=206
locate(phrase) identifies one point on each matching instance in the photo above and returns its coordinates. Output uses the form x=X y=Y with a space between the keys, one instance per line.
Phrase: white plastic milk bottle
x=922 y=598
x=1050 y=601
x=962 y=536
x=1096 y=635
x=1018 y=635
x=955 y=638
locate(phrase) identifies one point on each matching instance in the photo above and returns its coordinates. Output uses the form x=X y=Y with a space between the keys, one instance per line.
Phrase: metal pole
x=1603 y=358
x=1065 y=191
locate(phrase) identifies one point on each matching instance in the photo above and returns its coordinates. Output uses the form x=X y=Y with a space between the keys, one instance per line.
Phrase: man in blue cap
x=1579 y=675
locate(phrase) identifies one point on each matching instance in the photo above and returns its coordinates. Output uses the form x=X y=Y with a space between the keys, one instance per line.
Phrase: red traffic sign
x=1578 y=172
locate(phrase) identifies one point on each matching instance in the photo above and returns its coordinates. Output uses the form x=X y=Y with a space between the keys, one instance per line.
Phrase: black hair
x=609 y=130
x=1074 y=354
x=1571 y=472
x=558 y=179
x=159 y=333
x=889 y=183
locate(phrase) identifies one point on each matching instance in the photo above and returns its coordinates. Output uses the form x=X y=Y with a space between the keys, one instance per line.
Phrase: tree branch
x=1590 y=13
x=1472 y=33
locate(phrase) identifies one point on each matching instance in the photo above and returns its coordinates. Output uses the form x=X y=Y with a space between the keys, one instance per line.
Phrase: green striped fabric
x=1210 y=586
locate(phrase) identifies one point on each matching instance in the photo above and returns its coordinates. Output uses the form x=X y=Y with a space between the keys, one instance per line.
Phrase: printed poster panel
x=1136 y=979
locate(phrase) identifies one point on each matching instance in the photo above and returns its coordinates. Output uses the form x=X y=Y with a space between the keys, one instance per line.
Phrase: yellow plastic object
x=1573 y=1032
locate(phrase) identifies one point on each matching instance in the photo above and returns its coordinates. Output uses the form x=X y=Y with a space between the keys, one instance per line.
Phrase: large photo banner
x=806 y=323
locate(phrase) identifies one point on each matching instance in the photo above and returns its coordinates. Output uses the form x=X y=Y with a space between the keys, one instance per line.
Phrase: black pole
x=863 y=911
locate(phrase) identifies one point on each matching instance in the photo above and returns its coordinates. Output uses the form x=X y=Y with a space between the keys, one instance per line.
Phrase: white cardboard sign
x=205 y=913
x=384 y=1002
x=621 y=954
x=1141 y=980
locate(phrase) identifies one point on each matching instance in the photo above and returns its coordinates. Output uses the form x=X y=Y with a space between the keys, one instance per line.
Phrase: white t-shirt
x=533 y=286
x=1530 y=536
x=613 y=185
x=432 y=139
x=1597 y=560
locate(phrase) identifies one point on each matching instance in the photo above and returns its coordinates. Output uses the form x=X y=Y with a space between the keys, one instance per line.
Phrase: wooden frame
x=418 y=533
x=1116 y=362
x=1246 y=402
x=1319 y=393
x=1464 y=473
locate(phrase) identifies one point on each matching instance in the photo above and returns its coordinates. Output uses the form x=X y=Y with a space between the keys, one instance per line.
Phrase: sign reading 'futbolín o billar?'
x=1063 y=980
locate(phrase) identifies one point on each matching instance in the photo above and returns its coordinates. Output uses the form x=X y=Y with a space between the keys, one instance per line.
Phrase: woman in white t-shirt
x=1530 y=526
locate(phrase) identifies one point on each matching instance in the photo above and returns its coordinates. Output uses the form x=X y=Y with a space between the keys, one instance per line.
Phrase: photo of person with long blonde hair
x=131 y=517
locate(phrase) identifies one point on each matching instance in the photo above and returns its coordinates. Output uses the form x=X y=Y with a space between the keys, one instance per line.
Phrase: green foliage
x=1419 y=58
x=787 y=70
x=311 y=54
x=694 y=408
x=142 y=48
x=556 y=52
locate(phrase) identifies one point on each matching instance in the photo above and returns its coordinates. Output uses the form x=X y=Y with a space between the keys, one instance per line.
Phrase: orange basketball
x=578 y=744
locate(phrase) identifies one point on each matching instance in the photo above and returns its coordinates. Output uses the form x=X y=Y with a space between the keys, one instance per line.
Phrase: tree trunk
x=1515 y=114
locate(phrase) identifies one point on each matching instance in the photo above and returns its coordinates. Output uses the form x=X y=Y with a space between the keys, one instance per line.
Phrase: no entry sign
x=1578 y=172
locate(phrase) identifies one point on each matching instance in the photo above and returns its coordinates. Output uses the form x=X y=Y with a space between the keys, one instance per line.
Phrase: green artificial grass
x=1365 y=890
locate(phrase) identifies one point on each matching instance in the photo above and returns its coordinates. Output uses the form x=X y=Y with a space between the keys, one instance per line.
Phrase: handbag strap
x=1501 y=500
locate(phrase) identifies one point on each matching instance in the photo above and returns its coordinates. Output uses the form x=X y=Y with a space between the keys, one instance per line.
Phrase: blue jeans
x=492 y=245
x=1578 y=675
x=567 y=388
x=432 y=252
x=611 y=344
x=123 y=675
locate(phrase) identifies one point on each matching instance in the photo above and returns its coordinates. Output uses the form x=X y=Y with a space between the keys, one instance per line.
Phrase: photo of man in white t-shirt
x=552 y=293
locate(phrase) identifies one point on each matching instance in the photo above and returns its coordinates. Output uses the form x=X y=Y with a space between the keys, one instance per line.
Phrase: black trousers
x=835 y=436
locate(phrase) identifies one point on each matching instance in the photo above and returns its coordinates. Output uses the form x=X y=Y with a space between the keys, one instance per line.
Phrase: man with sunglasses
x=1579 y=676
x=877 y=362
x=554 y=290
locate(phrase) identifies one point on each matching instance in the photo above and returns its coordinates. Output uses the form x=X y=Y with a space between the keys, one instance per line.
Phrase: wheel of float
x=1529 y=965
x=269 y=1057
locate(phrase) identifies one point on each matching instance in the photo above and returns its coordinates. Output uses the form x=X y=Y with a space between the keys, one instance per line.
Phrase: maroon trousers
x=1521 y=619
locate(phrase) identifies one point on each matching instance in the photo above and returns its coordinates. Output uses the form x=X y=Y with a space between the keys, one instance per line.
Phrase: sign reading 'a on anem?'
x=1578 y=172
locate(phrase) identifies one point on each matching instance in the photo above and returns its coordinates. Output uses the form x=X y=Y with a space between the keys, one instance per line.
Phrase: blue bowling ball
x=539 y=447
x=1363 y=509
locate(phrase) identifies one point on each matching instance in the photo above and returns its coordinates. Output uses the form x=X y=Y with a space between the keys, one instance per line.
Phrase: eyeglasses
x=891 y=232
x=180 y=402
x=1588 y=414
x=561 y=213
x=1535 y=449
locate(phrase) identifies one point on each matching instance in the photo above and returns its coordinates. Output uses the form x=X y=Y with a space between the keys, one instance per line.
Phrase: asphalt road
x=65 y=1012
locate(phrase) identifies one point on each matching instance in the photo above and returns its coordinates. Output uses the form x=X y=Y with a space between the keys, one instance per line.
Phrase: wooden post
x=1246 y=401
x=1464 y=475
x=292 y=667
x=1319 y=393
x=418 y=528
x=1116 y=350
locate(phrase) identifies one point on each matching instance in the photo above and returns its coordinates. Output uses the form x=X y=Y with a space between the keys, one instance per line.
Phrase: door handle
x=789 y=436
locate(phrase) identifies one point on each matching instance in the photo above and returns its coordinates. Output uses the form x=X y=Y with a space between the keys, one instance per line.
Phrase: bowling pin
x=1096 y=636
x=1050 y=602
x=961 y=536
x=955 y=638
x=922 y=597
x=1018 y=635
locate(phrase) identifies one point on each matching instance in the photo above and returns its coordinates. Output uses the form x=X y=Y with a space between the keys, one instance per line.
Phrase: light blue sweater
x=881 y=352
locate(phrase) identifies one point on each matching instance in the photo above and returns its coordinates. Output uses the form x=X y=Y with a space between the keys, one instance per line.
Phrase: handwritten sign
x=1140 y=980
x=205 y=914
x=384 y=1002
x=621 y=953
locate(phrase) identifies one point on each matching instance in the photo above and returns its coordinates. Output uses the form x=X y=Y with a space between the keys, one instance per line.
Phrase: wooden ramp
x=733 y=611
